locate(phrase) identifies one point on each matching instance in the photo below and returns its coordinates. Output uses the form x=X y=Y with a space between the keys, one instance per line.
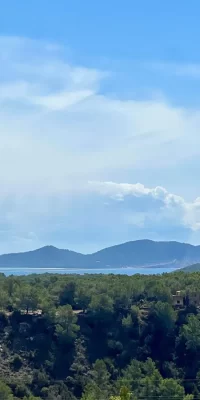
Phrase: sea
x=81 y=271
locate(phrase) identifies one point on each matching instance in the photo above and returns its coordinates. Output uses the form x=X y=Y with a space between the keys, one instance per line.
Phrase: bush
x=17 y=362
x=20 y=390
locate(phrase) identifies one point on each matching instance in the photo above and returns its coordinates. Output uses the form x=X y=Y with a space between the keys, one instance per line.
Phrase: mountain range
x=139 y=253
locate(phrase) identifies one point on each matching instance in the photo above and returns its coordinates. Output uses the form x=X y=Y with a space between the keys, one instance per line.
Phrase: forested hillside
x=98 y=337
x=192 y=268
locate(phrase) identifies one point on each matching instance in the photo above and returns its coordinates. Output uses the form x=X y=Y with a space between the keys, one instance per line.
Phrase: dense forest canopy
x=99 y=337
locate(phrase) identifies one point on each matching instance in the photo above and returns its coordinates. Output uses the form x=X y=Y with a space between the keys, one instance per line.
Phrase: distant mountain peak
x=138 y=253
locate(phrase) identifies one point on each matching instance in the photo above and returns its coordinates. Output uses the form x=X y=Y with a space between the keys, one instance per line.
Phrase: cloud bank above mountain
x=60 y=129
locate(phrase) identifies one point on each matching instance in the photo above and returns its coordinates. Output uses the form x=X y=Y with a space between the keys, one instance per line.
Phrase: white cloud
x=58 y=131
x=56 y=128
x=37 y=73
x=169 y=205
x=62 y=100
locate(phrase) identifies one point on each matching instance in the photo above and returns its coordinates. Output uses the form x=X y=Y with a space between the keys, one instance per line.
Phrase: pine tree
x=80 y=368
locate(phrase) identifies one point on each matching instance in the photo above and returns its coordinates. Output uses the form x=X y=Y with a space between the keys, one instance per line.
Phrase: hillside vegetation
x=192 y=268
x=98 y=337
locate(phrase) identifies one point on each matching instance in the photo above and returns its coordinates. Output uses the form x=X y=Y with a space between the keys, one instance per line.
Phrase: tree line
x=99 y=337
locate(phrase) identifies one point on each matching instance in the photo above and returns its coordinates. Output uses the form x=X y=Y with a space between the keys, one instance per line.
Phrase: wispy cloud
x=36 y=73
x=57 y=132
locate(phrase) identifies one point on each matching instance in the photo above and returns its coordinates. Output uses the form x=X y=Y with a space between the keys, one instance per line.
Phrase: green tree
x=191 y=333
x=99 y=386
x=5 y=392
x=124 y=394
x=11 y=285
x=101 y=308
x=127 y=322
x=101 y=303
x=151 y=386
x=67 y=294
x=27 y=298
x=66 y=321
x=132 y=375
x=165 y=316
x=170 y=388
x=4 y=300
x=79 y=368
x=82 y=298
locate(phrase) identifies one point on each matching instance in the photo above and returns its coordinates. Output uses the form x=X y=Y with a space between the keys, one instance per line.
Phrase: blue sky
x=99 y=123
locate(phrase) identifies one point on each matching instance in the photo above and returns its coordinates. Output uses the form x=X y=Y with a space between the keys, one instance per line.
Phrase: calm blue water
x=121 y=271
